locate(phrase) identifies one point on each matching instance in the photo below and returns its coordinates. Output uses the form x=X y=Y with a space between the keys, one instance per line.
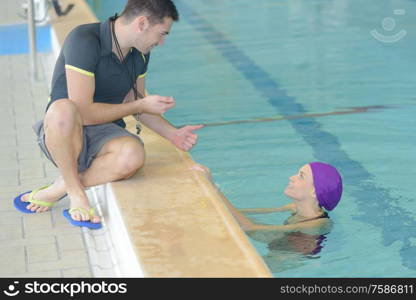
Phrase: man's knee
x=62 y=115
x=130 y=158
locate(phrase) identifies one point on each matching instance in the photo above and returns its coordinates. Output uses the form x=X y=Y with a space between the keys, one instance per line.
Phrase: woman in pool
x=315 y=189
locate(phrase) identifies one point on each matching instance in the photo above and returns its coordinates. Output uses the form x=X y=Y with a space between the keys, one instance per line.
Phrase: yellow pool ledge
x=176 y=221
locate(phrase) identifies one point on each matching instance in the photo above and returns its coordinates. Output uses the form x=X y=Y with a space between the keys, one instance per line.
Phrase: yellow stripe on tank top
x=142 y=75
x=79 y=70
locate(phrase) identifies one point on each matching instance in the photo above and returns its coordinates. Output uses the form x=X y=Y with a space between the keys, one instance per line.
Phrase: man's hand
x=184 y=138
x=155 y=104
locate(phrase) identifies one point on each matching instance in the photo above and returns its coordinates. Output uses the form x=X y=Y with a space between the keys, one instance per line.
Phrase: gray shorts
x=95 y=136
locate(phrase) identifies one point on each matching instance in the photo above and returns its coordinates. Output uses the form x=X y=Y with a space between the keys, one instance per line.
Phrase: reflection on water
x=292 y=250
x=298 y=242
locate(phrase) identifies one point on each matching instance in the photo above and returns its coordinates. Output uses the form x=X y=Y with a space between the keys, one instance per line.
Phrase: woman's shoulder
x=316 y=226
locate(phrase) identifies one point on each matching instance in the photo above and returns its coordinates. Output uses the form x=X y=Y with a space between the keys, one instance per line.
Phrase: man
x=98 y=75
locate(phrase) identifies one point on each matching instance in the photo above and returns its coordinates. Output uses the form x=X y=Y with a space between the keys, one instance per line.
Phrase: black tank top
x=324 y=215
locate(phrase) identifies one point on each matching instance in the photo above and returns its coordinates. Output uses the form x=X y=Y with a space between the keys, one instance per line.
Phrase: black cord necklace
x=131 y=77
x=120 y=54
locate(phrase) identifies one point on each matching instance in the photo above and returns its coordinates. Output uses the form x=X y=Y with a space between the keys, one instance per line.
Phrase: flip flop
x=21 y=205
x=88 y=224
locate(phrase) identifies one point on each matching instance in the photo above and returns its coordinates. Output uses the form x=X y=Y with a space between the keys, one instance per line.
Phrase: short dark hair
x=156 y=10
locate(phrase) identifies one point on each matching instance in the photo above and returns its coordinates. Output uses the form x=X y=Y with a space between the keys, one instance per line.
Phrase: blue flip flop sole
x=87 y=224
x=21 y=205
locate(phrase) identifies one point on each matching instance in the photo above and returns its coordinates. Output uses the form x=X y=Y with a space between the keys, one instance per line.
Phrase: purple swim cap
x=328 y=184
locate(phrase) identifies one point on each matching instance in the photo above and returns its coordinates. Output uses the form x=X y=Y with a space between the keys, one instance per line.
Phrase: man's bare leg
x=64 y=139
x=118 y=159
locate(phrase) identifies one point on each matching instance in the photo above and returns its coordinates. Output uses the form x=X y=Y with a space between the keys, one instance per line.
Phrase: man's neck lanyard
x=131 y=77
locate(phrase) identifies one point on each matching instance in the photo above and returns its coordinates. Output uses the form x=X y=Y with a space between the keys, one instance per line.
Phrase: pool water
x=283 y=83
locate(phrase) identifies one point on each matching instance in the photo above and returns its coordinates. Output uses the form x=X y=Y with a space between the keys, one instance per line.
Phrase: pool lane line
x=352 y=110
x=375 y=203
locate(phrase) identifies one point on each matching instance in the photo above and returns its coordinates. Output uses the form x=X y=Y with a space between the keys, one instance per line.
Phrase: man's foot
x=51 y=194
x=82 y=214
x=89 y=224
x=81 y=210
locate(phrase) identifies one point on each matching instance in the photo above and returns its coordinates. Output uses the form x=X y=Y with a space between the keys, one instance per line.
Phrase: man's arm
x=141 y=94
x=183 y=138
x=81 y=89
x=155 y=122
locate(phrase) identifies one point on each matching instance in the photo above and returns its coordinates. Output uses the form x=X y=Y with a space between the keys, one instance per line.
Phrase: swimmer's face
x=152 y=35
x=300 y=185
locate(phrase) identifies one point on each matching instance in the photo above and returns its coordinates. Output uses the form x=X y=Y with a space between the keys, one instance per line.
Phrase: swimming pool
x=276 y=83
